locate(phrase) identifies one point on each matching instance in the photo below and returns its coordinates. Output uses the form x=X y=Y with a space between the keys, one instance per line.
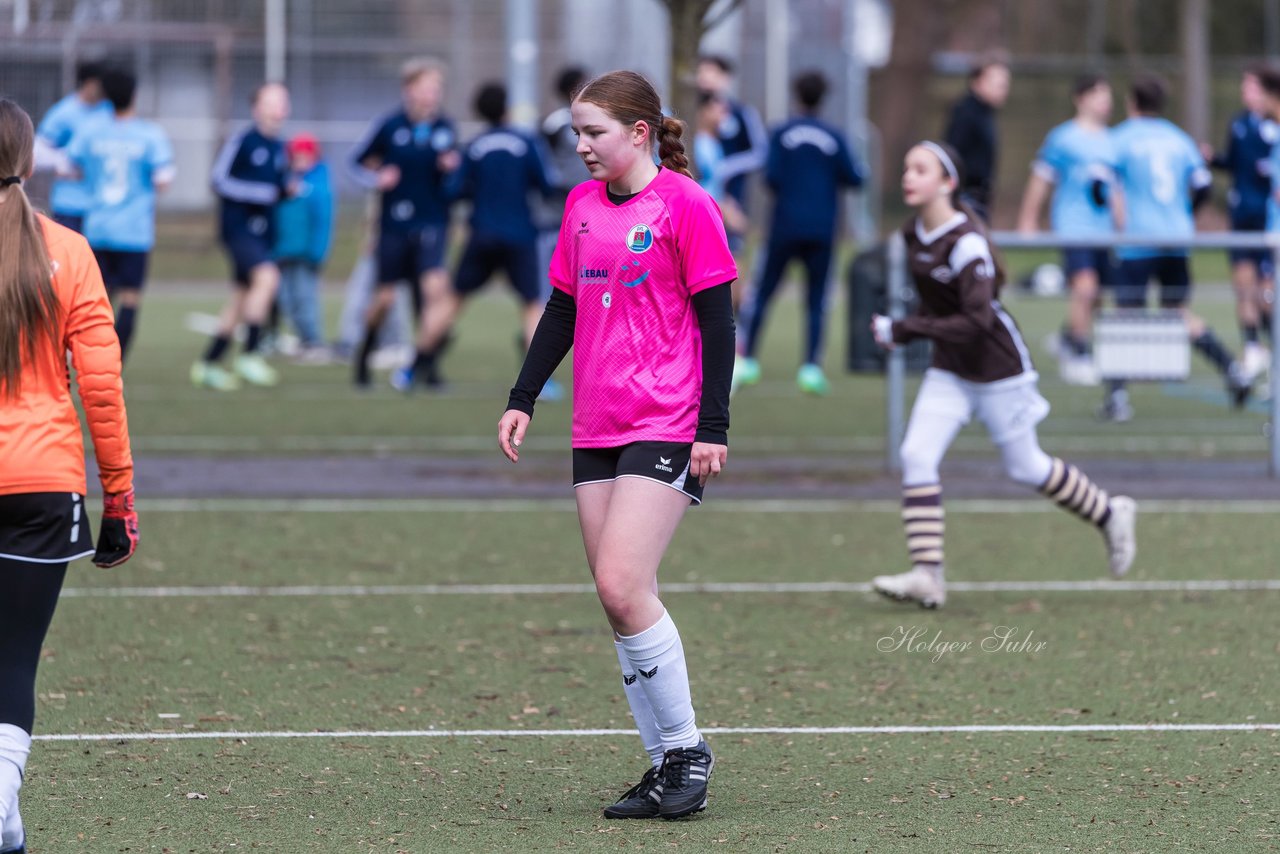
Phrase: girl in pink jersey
x=642 y=272
x=980 y=367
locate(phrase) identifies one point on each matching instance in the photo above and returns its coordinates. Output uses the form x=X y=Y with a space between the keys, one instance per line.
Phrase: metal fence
x=895 y=372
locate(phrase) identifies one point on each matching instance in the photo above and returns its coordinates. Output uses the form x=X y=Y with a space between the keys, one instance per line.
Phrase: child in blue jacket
x=304 y=223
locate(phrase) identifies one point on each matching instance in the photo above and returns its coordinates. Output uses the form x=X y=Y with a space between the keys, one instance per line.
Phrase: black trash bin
x=869 y=295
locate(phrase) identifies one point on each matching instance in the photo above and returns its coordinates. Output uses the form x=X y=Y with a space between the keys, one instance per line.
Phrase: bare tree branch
x=709 y=24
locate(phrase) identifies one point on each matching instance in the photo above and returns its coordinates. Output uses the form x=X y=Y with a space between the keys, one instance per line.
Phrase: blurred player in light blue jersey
x=1250 y=140
x=70 y=197
x=1162 y=178
x=124 y=161
x=1077 y=164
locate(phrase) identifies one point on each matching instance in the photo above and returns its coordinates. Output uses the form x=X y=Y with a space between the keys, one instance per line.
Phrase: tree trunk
x=688 y=25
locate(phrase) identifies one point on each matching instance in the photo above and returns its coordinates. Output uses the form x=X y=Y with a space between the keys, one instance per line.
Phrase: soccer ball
x=1047 y=280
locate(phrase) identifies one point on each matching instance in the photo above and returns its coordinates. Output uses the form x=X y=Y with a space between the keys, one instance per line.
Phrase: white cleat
x=1078 y=369
x=1122 y=541
x=1254 y=361
x=919 y=585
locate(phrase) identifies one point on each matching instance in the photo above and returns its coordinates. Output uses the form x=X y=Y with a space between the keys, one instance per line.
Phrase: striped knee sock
x=1073 y=491
x=922 y=516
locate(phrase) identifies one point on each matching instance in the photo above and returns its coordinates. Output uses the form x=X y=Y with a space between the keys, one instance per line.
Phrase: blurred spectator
x=971 y=131
x=304 y=224
x=709 y=158
x=742 y=134
x=566 y=168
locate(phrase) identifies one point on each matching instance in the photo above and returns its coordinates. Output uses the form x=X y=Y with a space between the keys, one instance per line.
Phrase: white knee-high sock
x=15 y=746
x=658 y=657
x=13 y=836
x=640 y=708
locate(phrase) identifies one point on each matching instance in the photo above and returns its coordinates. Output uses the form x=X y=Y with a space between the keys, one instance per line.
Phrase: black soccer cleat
x=641 y=800
x=685 y=772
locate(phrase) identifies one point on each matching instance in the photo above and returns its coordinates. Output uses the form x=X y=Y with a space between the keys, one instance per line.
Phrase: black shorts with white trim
x=44 y=527
x=665 y=462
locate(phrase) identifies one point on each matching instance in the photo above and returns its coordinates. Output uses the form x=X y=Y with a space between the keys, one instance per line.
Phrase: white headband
x=942 y=155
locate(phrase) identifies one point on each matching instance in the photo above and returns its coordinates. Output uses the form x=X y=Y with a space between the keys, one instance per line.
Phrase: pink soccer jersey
x=632 y=270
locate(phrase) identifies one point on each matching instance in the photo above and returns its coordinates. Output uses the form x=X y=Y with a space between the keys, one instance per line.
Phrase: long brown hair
x=629 y=98
x=29 y=309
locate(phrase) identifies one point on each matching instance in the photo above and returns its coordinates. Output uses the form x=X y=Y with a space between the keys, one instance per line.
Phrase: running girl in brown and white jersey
x=52 y=302
x=980 y=367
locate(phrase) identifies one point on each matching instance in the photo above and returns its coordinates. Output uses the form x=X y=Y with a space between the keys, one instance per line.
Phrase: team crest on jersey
x=941 y=274
x=401 y=136
x=260 y=156
x=442 y=139
x=640 y=238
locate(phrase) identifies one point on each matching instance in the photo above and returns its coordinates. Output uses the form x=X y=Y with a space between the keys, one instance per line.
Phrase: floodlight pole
x=274 y=40
x=522 y=61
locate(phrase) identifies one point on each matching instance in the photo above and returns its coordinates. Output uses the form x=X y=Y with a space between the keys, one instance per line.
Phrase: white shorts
x=1006 y=408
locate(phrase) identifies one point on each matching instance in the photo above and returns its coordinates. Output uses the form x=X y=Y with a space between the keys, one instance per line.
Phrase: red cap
x=304 y=143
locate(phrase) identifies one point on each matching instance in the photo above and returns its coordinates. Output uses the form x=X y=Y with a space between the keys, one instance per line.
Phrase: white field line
x=595 y=733
x=999 y=506
x=358 y=590
x=1128 y=443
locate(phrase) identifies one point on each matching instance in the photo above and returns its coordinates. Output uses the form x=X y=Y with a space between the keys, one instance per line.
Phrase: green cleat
x=813 y=381
x=746 y=371
x=255 y=370
x=209 y=375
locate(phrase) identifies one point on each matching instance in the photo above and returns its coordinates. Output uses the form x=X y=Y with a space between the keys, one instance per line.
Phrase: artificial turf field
x=456 y=649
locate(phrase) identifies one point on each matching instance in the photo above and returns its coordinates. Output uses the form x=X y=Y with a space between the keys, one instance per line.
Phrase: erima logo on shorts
x=640 y=238
x=664 y=464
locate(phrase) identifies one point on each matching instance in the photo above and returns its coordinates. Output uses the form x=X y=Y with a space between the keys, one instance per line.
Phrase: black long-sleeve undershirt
x=714 y=309
x=551 y=342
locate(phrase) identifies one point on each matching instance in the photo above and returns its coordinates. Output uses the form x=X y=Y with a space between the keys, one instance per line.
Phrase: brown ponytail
x=629 y=98
x=29 y=310
x=671 y=147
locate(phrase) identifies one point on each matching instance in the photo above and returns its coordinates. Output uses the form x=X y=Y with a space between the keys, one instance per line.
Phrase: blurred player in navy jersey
x=808 y=164
x=971 y=130
x=1076 y=164
x=1162 y=178
x=745 y=142
x=1246 y=157
x=69 y=198
x=567 y=168
x=123 y=162
x=500 y=170
x=250 y=176
x=406 y=156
